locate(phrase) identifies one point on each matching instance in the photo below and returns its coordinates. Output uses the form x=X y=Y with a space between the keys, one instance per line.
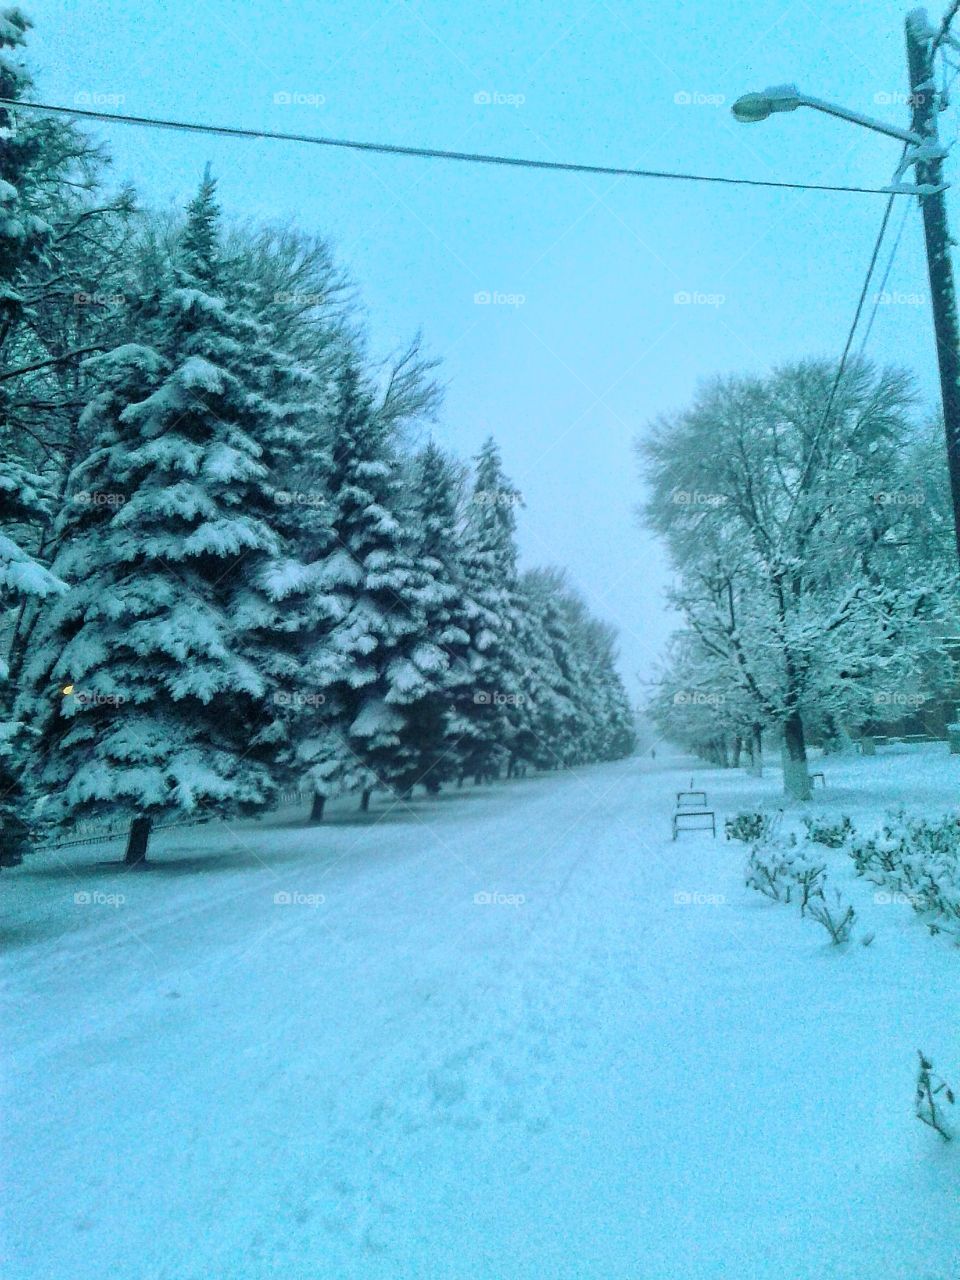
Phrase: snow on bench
x=691 y=799
x=700 y=826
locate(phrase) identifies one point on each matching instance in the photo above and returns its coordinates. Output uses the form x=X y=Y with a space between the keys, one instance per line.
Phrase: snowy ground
x=587 y=1077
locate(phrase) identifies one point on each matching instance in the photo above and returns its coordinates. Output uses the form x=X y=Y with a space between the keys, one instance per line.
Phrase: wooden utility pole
x=943 y=296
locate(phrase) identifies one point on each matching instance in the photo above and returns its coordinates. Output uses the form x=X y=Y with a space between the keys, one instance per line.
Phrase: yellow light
x=67 y=690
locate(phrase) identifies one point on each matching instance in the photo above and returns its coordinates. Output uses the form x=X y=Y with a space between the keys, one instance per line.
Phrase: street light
x=754 y=107
x=922 y=150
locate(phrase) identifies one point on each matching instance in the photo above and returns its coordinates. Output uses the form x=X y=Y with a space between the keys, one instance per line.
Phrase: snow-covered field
x=617 y=1062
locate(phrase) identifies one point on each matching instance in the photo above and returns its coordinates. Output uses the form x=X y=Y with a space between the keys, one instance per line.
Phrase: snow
x=198 y=374
x=515 y=1033
x=376 y=719
x=21 y=575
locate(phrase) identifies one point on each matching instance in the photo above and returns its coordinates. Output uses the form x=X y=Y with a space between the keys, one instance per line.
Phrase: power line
x=841 y=367
x=944 y=31
x=427 y=153
x=886 y=277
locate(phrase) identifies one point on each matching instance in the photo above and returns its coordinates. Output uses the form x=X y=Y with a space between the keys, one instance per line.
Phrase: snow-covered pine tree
x=611 y=711
x=432 y=730
x=551 y=725
x=38 y=159
x=490 y=581
x=150 y=695
x=23 y=235
x=375 y=664
x=292 y=398
x=22 y=579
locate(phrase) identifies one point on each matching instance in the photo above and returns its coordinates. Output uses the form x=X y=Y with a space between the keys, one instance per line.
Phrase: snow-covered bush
x=809 y=878
x=768 y=871
x=932 y=1092
x=834 y=835
x=751 y=826
x=918 y=860
x=838 y=919
x=777 y=869
x=783 y=872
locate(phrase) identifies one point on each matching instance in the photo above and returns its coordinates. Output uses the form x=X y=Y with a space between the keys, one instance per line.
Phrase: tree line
x=808 y=522
x=227 y=569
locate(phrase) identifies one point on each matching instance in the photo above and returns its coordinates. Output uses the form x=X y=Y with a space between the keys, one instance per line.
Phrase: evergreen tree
x=23 y=234
x=375 y=665
x=22 y=579
x=491 y=713
x=552 y=723
x=432 y=730
x=147 y=676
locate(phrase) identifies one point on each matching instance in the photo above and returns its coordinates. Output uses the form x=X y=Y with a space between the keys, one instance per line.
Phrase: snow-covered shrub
x=838 y=919
x=832 y=834
x=770 y=870
x=809 y=878
x=918 y=859
x=932 y=1092
x=902 y=840
x=783 y=872
x=751 y=826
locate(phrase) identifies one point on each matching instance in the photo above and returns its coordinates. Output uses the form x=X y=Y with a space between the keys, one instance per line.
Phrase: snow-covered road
x=618 y=1065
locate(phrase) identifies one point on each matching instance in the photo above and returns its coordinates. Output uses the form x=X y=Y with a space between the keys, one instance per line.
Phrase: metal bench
x=700 y=826
x=691 y=799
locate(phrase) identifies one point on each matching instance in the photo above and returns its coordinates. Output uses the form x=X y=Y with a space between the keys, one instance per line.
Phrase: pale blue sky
x=567 y=378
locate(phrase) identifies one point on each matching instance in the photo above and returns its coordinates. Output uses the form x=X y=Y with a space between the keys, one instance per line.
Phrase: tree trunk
x=796 y=775
x=736 y=751
x=365 y=800
x=137 y=841
x=316 y=808
x=756 y=751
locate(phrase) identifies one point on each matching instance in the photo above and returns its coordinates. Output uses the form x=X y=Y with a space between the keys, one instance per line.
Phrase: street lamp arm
x=868 y=122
